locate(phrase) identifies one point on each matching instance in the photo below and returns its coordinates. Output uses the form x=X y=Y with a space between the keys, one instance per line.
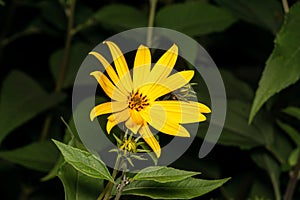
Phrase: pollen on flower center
x=138 y=101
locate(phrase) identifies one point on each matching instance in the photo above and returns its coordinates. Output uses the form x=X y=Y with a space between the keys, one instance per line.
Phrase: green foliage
x=292 y=132
x=239 y=36
x=282 y=68
x=267 y=14
x=77 y=185
x=120 y=17
x=84 y=162
x=293 y=111
x=268 y=163
x=237 y=132
x=293 y=159
x=163 y=174
x=184 y=189
x=194 y=18
x=75 y=61
x=21 y=93
x=39 y=156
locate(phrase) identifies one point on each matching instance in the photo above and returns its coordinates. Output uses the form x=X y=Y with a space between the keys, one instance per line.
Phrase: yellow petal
x=132 y=125
x=181 y=111
x=159 y=119
x=174 y=82
x=121 y=65
x=142 y=65
x=164 y=65
x=150 y=139
x=110 y=125
x=107 y=86
x=108 y=107
x=110 y=71
x=116 y=118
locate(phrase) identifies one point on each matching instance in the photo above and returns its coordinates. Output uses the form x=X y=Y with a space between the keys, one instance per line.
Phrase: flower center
x=138 y=101
x=129 y=145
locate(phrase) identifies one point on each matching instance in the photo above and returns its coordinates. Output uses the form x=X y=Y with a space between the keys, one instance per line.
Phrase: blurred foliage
x=254 y=44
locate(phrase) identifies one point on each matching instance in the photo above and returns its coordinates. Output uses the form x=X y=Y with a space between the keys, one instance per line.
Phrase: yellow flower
x=135 y=96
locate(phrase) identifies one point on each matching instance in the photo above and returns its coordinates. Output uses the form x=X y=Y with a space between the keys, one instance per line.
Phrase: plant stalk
x=105 y=194
x=293 y=181
x=285 y=6
x=70 y=12
x=153 y=4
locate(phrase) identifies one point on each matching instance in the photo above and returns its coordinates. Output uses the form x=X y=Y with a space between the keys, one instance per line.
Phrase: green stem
x=70 y=11
x=293 y=181
x=151 y=20
x=26 y=32
x=105 y=194
x=121 y=187
x=285 y=6
x=275 y=187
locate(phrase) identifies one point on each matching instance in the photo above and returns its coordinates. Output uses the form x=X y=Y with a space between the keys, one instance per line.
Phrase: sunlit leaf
x=39 y=156
x=163 y=174
x=282 y=68
x=21 y=100
x=84 y=162
x=194 y=18
x=184 y=189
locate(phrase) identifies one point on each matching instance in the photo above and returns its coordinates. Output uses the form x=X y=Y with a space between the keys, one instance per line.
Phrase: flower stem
x=293 y=181
x=151 y=21
x=285 y=6
x=105 y=194
x=275 y=187
x=121 y=186
x=70 y=11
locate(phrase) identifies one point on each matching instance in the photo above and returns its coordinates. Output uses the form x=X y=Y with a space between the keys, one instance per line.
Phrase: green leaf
x=52 y=12
x=120 y=17
x=293 y=133
x=267 y=14
x=84 y=162
x=39 y=156
x=2 y=3
x=268 y=163
x=71 y=138
x=237 y=131
x=293 y=111
x=194 y=18
x=282 y=68
x=235 y=88
x=77 y=54
x=260 y=191
x=280 y=148
x=77 y=185
x=21 y=100
x=293 y=158
x=163 y=174
x=184 y=189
